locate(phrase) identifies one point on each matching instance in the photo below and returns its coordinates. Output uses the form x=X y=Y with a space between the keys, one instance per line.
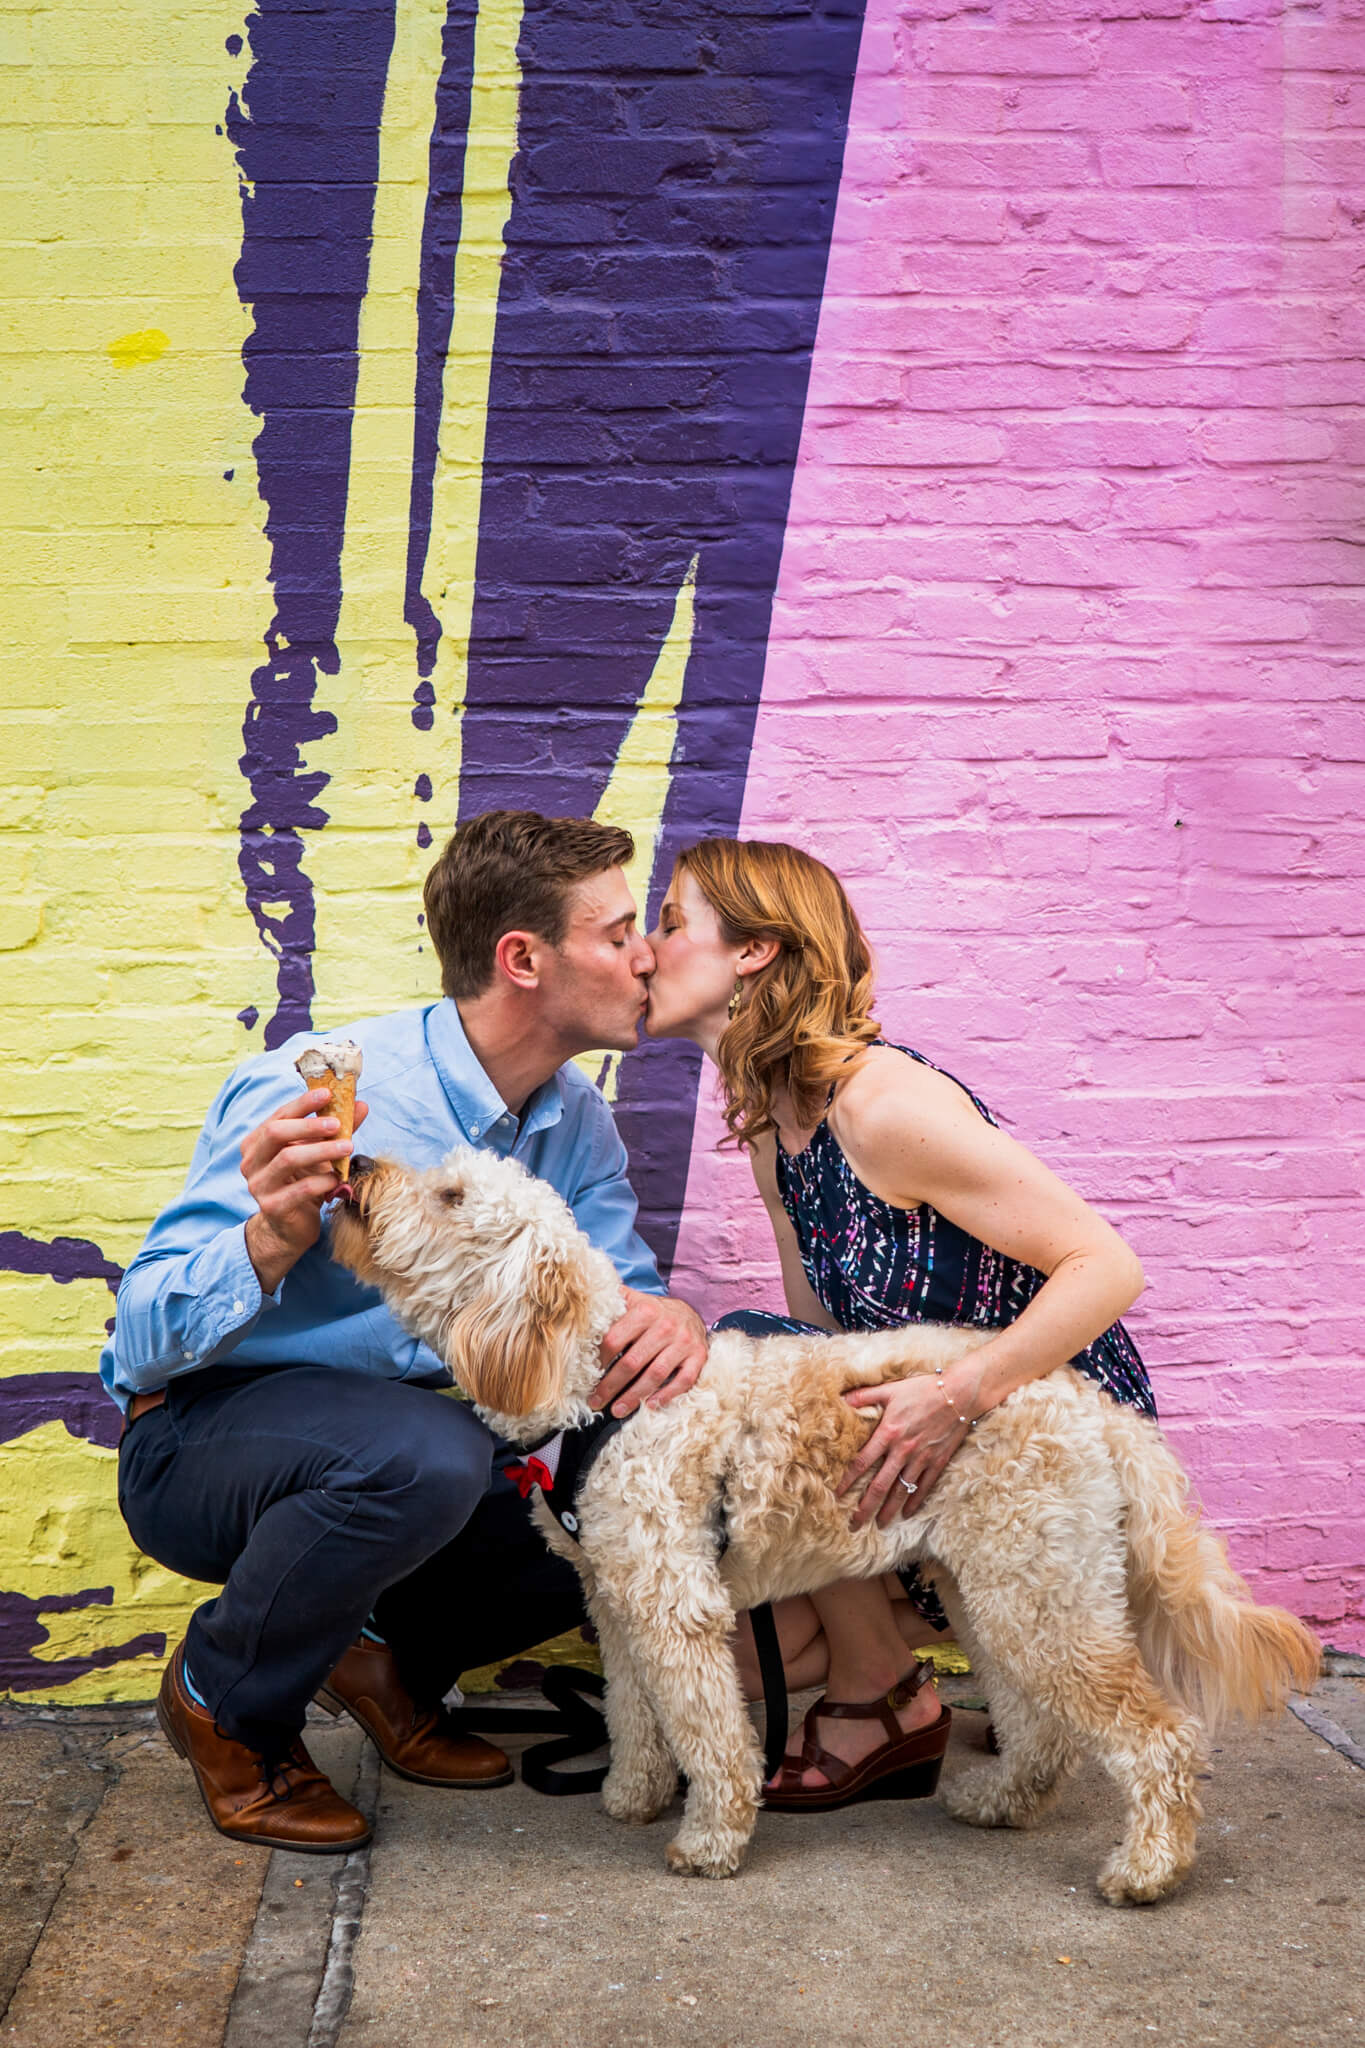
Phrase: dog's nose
x=358 y=1167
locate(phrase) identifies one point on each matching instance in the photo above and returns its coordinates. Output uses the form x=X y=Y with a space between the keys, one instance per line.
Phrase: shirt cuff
x=236 y=1298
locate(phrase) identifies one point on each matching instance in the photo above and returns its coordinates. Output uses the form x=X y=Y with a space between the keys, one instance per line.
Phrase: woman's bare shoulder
x=889 y=1093
x=885 y=1074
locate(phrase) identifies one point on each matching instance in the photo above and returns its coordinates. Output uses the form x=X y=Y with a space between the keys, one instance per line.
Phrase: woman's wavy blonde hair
x=807 y=1016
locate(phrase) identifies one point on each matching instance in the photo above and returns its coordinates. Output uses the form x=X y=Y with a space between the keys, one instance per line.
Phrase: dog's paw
x=704 y=1856
x=638 y=1797
x=1129 y=1881
x=983 y=1798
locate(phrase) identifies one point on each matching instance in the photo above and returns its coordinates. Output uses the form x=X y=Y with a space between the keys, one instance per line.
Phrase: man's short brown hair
x=510 y=871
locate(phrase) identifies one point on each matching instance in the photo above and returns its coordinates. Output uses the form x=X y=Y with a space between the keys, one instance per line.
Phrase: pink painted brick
x=997 y=764
x=1102 y=442
x=1189 y=618
x=1097 y=107
x=914 y=442
x=909 y=219
x=1137 y=221
x=1131 y=161
x=986 y=52
x=1008 y=163
x=1096 y=324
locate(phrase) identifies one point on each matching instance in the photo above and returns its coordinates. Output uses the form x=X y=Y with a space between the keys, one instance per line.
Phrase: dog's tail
x=1201 y=1635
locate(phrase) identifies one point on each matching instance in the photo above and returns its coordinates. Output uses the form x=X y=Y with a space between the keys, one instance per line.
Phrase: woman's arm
x=912 y=1135
x=802 y=1302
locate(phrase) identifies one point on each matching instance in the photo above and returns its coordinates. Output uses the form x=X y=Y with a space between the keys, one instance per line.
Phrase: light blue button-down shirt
x=191 y=1297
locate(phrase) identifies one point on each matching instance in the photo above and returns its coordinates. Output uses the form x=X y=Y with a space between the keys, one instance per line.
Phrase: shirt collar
x=475 y=1101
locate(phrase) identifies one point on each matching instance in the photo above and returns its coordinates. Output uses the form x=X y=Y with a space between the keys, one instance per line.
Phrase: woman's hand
x=906 y=1453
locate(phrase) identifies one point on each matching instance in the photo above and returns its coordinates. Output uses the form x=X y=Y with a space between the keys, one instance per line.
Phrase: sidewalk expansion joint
x=1330 y=1730
x=353 y=1887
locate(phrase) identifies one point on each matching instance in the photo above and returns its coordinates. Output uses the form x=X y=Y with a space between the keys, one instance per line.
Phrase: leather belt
x=141 y=1404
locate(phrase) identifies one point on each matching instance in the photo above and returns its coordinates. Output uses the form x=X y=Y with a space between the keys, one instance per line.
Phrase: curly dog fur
x=1101 y=1617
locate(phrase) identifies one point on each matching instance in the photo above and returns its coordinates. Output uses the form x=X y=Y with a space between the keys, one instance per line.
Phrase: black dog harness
x=579 y=1450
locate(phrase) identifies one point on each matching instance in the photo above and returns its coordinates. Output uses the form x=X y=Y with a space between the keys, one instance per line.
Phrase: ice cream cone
x=335 y=1066
x=342 y=1089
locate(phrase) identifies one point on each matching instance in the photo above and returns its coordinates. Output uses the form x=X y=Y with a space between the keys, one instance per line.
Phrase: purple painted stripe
x=673 y=198
x=308 y=146
x=22 y=1633
x=63 y=1259
x=77 y=1399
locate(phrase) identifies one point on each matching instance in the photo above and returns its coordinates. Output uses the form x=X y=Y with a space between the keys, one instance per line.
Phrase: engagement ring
x=906 y=1484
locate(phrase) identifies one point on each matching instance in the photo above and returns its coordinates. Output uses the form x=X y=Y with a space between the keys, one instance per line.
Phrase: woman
x=894 y=1197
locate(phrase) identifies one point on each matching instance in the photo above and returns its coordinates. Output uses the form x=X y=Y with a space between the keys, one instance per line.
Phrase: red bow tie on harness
x=529 y=1475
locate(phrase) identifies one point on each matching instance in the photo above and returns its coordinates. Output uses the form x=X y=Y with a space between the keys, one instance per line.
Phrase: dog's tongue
x=346 y=1193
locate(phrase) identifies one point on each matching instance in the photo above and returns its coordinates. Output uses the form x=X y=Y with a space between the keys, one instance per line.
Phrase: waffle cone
x=341 y=1088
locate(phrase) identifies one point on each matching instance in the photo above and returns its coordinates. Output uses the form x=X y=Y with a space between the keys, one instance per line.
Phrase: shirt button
x=239 y=1308
x=187 y=1354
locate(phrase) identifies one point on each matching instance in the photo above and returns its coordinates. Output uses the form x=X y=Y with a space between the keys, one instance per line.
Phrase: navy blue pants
x=317 y=1498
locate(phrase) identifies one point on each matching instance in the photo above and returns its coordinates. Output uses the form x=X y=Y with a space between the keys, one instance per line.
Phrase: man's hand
x=286 y=1164
x=653 y=1353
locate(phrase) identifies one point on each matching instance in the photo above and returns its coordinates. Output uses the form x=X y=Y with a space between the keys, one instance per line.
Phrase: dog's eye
x=452 y=1197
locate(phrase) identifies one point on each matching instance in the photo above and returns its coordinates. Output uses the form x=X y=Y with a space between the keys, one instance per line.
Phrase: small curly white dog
x=1099 y=1615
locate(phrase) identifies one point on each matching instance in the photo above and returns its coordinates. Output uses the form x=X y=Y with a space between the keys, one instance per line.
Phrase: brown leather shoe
x=290 y=1807
x=417 y=1742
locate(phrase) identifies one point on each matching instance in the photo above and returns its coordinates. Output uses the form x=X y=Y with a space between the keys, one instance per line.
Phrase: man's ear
x=517 y=958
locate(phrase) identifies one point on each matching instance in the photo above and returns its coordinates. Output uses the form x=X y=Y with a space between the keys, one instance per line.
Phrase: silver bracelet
x=968 y=1421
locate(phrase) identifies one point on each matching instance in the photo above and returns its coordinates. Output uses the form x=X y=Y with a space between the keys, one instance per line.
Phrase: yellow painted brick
x=61 y=1532
x=153 y=617
x=21 y=922
x=38 y=1314
x=21 y=805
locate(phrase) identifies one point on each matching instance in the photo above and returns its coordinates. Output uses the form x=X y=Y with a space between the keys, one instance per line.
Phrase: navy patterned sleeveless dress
x=874 y=1266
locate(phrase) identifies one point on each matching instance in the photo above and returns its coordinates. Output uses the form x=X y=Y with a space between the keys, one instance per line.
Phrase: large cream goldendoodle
x=1100 y=1616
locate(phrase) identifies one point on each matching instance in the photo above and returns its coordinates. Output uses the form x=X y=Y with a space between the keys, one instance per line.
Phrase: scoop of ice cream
x=328 y=1056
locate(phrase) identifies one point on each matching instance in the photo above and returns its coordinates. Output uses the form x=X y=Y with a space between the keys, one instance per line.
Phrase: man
x=285 y=1437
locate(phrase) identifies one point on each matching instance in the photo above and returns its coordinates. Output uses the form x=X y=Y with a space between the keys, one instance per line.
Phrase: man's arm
x=218 y=1255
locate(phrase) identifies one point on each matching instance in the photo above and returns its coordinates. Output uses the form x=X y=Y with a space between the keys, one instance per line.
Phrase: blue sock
x=372 y=1635
x=192 y=1689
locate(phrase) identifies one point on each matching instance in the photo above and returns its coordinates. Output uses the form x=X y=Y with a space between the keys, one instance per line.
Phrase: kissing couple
x=288 y=1442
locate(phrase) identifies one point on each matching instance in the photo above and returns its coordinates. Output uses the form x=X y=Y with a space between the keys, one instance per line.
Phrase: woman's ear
x=757 y=953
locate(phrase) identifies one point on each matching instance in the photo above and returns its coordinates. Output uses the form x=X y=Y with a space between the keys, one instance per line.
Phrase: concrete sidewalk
x=507 y=1920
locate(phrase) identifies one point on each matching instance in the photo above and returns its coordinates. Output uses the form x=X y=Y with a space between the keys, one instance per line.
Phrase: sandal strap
x=814 y=1757
x=884 y=1707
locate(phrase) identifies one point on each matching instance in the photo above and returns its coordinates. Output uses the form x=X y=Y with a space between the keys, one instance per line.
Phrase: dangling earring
x=732 y=1009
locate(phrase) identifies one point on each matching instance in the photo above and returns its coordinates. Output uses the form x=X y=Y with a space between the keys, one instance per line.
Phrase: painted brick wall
x=1064 y=677
x=1063 y=671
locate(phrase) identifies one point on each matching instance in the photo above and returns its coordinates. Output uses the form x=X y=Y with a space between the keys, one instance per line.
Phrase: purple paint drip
x=309 y=156
x=435 y=314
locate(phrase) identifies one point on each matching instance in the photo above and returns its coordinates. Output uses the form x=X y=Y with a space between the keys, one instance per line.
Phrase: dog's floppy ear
x=510 y=1347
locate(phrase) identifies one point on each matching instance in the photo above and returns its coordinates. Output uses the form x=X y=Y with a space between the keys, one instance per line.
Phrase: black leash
x=579 y=1728
x=774 y=1688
